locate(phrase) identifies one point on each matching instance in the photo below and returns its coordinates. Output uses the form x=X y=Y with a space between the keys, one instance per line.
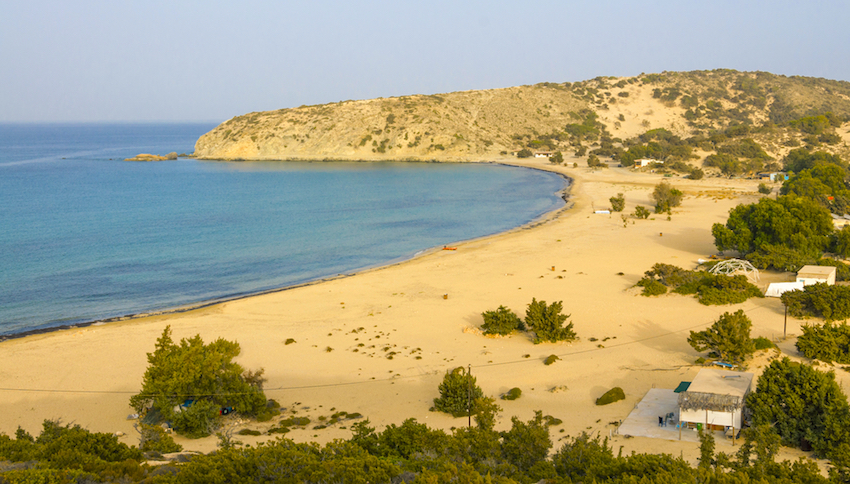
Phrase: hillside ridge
x=605 y=115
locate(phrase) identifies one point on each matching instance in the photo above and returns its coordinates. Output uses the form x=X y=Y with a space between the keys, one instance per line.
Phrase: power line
x=360 y=382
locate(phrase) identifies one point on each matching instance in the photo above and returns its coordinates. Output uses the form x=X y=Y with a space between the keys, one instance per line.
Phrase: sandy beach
x=87 y=375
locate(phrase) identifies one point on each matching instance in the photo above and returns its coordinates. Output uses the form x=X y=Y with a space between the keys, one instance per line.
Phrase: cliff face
x=491 y=124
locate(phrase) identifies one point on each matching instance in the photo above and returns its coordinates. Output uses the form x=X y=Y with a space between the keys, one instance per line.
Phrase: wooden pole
x=785 y=327
x=469 y=394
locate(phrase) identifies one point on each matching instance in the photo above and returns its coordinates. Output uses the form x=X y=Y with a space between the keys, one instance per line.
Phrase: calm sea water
x=86 y=236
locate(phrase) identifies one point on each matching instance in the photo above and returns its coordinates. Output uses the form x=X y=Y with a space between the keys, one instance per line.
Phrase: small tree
x=458 y=391
x=526 y=444
x=154 y=438
x=642 y=212
x=547 y=322
x=728 y=337
x=501 y=321
x=666 y=197
x=205 y=375
x=618 y=203
x=524 y=153
x=841 y=242
x=764 y=189
x=593 y=161
x=557 y=158
x=803 y=405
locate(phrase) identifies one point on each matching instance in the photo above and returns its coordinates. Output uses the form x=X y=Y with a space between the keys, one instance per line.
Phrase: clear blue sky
x=174 y=60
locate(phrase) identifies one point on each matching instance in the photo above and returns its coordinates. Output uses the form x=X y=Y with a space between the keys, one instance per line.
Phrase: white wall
x=714 y=418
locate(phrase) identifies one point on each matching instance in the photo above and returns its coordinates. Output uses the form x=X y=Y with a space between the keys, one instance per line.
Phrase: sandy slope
x=87 y=375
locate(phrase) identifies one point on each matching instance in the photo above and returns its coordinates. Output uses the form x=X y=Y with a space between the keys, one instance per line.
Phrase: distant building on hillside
x=816 y=274
x=640 y=163
x=714 y=400
x=543 y=154
x=840 y=221
x=773 y=176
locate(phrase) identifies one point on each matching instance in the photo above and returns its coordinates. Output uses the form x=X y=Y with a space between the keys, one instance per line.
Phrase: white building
x=715 y=399
x=816 y=274
x=640 y=163
x=776 y=289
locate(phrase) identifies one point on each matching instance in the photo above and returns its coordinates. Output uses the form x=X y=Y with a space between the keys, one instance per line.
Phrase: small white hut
x=642 y=162
x=715 y=399
x=816 y=274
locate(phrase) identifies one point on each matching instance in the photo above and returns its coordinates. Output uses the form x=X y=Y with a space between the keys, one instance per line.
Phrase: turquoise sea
x=86 y=236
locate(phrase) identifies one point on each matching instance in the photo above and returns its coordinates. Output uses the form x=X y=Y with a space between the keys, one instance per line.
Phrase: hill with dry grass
x=747 y=120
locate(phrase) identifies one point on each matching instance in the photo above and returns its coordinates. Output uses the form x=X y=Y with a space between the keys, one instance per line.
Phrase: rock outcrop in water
x=149 y=157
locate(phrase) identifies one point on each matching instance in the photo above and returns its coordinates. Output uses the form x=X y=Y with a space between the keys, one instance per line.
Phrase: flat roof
x=722 y=382
x=821 y=270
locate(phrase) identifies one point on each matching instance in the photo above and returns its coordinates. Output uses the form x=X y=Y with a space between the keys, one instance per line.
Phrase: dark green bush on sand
x=501 y=321
x=547 y=322
x=728 y=337
x=457 y=391
x=709 y=288
x=203 y=374
x=830 y=342
x=550 y=359
x=832 y=303
x=651 y=287
x=512 y=394
x=154 y=438
x=763 y=343
x=613 y=395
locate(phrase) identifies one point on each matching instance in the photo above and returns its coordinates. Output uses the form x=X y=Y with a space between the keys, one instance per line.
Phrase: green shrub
x=457 y=392
x=154 y=438
x=295 y=422
x=641 y=212
x=249 y=432
x=512 y=394
x=803 y=405
x=524 y=153
x=832 y=303
x=763 y=343
x=205 y=375
x=710 y=289
x=719 y=289
x=501 y=321
x=613 y=395
x=651 y=287
x=728 y=337
x=666 y=197
x=552 y=421
x=830 y=342
x=547 y=322
x=197 y=420
x=618 y=203
x=289 y=341
x=764 y=189
x=550 y=359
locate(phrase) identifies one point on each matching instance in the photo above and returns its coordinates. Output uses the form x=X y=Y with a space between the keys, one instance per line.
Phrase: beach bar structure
x=816 y=275
x=642 y=162
x=714 y=400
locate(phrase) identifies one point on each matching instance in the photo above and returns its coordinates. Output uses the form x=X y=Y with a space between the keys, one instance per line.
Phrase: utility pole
x=469 y=394
x=785 y=327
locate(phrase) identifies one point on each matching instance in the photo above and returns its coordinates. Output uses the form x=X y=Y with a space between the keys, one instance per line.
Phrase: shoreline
x=345 y=330
x=564 y=194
